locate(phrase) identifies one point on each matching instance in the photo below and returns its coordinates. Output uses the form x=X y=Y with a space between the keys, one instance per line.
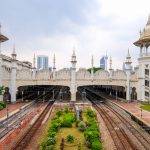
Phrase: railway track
x=140 y=136
x=121 y=140
x=24 y=141
x=124 y=132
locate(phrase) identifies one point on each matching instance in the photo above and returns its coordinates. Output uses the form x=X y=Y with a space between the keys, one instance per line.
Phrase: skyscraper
x=42 y=62
x=103 y=62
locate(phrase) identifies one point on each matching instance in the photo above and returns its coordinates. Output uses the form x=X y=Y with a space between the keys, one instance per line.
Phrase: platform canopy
x=3 y=38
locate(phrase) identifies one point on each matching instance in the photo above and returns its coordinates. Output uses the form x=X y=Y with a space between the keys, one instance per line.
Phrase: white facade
x=144 y=64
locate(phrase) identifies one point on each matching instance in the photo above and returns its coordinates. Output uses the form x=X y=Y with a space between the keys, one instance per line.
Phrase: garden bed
x=65 y=132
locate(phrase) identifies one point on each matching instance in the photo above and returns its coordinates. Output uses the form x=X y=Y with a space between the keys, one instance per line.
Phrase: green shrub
x=66 y=123
x=51 y=141
x=51 y=134
x=55 y=117
x=3 y=104
x=82 y=126
x=43 y=145
x=70 y=138
x=69 y=116
x=90 y=113
x=96 y=145
x=77 y=122
x=91 y=135
x=66 y=110
x=2 y=90
x=1 y=107
x=55 y=127
x=50 y=147
x=56 y=124
x=59 y=112
x=88 y=123
x=68 y=120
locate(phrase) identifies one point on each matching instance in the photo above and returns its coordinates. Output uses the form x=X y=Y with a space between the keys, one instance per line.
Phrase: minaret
x=110 y=69
x=128 y=73
x=13 y=75
x=54 y=68
x=73 y=88
x=92 y=68
x=143 y=90
x=34 y=69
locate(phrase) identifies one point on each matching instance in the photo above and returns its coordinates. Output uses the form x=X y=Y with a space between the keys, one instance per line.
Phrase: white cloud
x=111 y=26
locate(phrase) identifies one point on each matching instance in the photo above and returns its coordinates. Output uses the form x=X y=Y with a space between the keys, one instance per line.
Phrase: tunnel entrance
x=115 y=91
x=47 y=92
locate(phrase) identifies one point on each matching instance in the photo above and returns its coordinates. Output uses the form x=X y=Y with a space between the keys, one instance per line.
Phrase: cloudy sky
x=56 y=26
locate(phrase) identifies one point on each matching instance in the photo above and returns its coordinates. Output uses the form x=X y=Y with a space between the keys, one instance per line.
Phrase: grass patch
x=145 y=107
x=79 y=138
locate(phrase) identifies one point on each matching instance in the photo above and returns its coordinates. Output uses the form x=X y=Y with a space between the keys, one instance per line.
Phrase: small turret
x=34 y=62
x=128 y=58
x=110 y=64
x=54 y=62
x=14 y=55
x=73 y=60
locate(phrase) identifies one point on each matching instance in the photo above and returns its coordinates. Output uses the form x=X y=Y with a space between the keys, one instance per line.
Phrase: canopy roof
x=3 y=38
x=144 y=40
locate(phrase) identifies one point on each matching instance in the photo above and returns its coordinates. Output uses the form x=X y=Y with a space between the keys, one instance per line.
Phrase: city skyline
x=56 y=27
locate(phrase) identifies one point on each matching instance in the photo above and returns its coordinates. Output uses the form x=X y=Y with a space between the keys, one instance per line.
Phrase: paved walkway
x=11 y=108
x=134 y=108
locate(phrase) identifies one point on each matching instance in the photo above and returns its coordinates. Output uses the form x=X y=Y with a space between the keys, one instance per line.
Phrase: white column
x=13 y=81
x=141 y=51
x=13 y=76
x=73 y=78
x=128 y=73
x=128 y=93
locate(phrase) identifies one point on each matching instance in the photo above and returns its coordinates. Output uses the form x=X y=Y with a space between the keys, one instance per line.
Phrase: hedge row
x=2 y=105
x=91 y=134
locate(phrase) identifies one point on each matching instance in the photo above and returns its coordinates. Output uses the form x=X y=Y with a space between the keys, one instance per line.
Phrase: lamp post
x=84 y=95
x=60 y=93
x=43 y=94
x=22 y=95
x=141 y=109
x=53 y=94
x=7 y=113
x=116 y=93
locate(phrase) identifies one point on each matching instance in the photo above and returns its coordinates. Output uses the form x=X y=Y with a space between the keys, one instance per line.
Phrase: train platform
x=12 y=108
x=134 y=109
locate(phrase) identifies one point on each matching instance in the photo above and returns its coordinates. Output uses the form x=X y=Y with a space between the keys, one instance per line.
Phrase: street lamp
x=22 y=95
x=60 y=93
x=43 y=94
x=84 y=95
x=7 y=113
x=116 y=93
x=53 y=94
